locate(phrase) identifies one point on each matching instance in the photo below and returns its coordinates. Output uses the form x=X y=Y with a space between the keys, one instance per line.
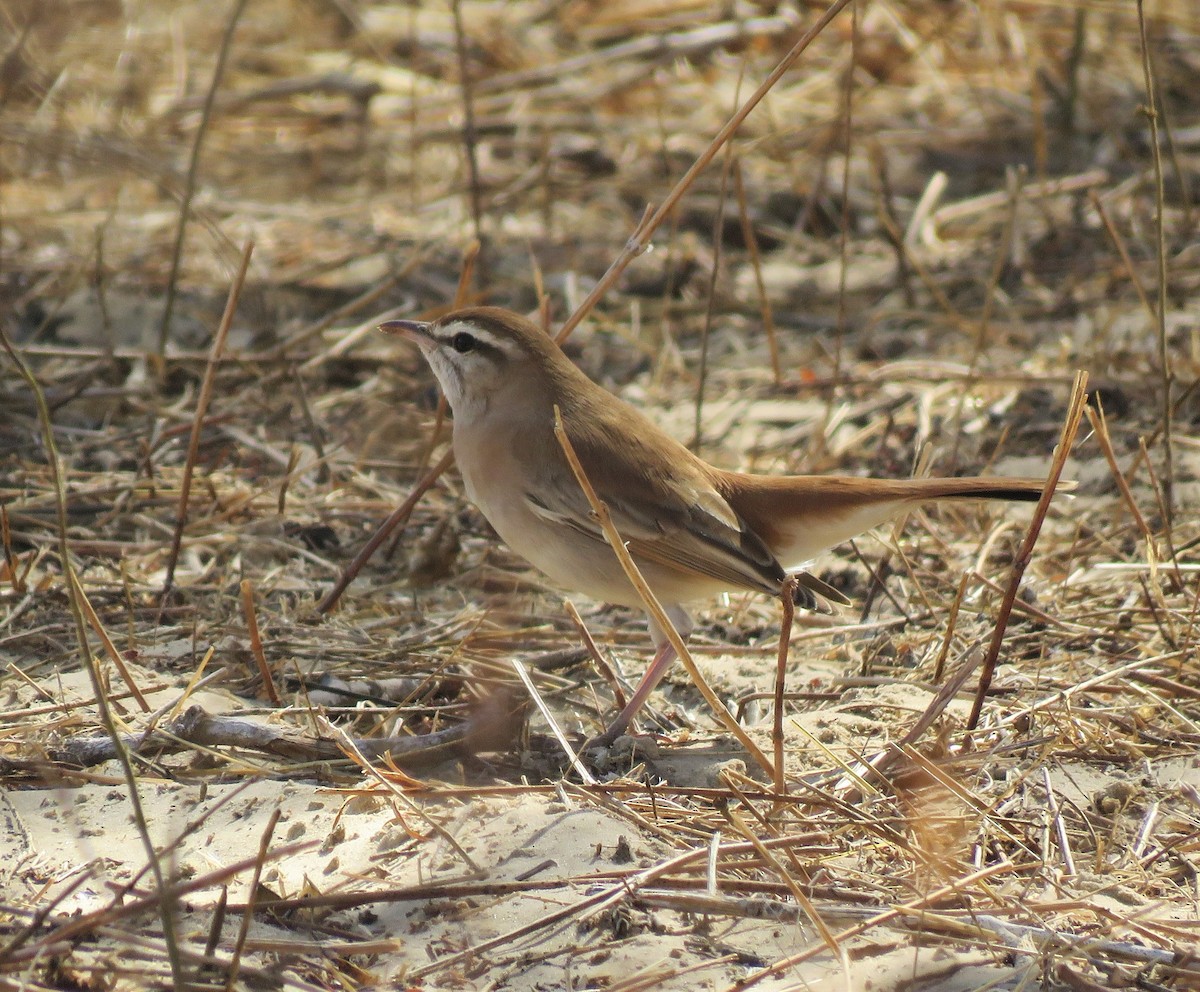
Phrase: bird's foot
x=621 y=749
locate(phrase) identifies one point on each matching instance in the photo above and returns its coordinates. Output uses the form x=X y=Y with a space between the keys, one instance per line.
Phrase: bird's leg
x=654 y=674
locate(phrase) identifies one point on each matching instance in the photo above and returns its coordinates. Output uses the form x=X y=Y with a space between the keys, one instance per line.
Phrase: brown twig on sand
x=197 y=727
x=256 y=647
x=1165 y=366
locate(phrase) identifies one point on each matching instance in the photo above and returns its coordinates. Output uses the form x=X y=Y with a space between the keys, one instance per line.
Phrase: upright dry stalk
x=202 y=402
x=787 y=598
x=1061 y=454
x=844 y=235
x=706 y=330
x=1164 y=358
x=264 y=848
x=470 y=134
x=764 y=302
x=1013 y=181
x=189 y=186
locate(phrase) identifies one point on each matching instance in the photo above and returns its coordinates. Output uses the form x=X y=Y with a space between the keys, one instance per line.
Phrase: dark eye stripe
x=466 y=342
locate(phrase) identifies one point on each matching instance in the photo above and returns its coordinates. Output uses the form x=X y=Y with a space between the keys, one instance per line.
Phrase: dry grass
x=930 y=295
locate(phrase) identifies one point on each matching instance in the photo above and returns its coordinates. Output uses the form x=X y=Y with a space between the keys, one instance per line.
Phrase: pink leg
x=654 y=674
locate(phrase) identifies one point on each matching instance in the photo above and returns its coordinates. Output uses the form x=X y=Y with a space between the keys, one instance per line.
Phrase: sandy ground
x=460 y=879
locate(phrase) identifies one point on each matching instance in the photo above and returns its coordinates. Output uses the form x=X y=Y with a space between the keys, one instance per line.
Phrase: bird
x=694 y=530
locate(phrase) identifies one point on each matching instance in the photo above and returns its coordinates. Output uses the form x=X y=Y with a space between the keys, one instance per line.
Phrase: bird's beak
x=416 y=331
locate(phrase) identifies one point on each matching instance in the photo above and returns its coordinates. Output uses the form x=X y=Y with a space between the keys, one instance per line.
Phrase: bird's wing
x=689 y=536
x=660 y=497
x=691 y=540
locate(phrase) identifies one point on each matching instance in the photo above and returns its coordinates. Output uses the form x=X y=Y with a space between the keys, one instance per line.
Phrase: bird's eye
x=462 y=342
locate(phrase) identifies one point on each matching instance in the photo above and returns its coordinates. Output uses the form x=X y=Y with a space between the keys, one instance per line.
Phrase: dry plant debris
x=937 y=216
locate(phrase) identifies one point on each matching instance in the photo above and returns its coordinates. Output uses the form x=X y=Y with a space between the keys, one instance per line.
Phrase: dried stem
x=470 y=136
x=1025 y=554
x=256 y=646
x=787 y=599
x=202 y=403
x=1160 y=311
x=764 y=301
x=189 y=186
x=718 y=238
x=264 y=847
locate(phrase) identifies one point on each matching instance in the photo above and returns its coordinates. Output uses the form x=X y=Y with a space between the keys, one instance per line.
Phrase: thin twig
x=787 y=599
x=764 y=301
x=956 y=887
x=1060 y=827
x=591 y=904
x=78 y=926
x=189 y=186
x=470 y=138
x=1100 y=426
x=1013 y=181
x=718 y=239
x=580 y=768
x=844 y=224
x=264 y=847
x=364 y=299
x=1123 y=251
x=1160 y=312
x=109 y=648
x=939 y=666
x=802 y=900
x=202 y=402
x=1066 y=440
x=597 y=656
x=256 y=647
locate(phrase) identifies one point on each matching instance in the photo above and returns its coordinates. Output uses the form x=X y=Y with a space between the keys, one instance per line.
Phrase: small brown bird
x=693 y=530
